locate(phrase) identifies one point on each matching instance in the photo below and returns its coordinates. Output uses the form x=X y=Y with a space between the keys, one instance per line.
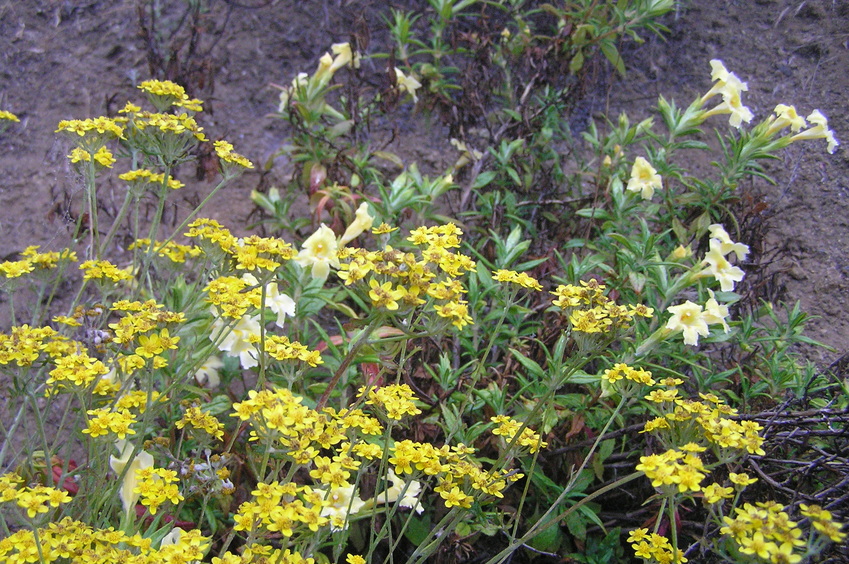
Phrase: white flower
x=410 y=497
x=281 y=304
x=362 y=221
x=340 y=502
x=720 y=268
x=716 y=313
x=208 y=372
x=319 y=252
x=124 y=465
x=644 y=179
x=820 y=130
x=786 y=116
x=238 y=341
x=718 y=232
x=407 y=83
x=688 y=318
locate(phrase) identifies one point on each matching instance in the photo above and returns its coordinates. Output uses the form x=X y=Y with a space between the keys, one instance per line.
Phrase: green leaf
x=612 y=54
x=576 y=63
x=594 y=213
x=530 y=365
x=417 y=530
x=483 y=179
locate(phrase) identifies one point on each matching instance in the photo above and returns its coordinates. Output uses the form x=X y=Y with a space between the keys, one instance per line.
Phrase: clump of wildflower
x=24 y=344
x=102 y=269
x=102 y=156
x=173 y=251
x=508 y=428
x=104 y=421
x=34 y=500
x=75 y=371
x=396 y=400
x=141 y=318
x=281 y=348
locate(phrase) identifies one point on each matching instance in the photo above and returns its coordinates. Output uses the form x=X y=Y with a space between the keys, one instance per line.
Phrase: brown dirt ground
x=62 y=60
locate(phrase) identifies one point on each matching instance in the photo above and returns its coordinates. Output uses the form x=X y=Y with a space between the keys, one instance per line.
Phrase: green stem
x=361 y=339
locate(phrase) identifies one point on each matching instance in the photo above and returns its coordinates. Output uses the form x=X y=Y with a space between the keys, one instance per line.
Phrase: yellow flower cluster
x=452 y=468
x=196 y=418
x=262 y=554
x=141 y=317
x=104 y=421
x=590 y=311
x=822 y=521
x=155 y=486
x=24 y=344
x=680 y=468
x=654 y=547
x=100 y=269
x=621 y=370
x=225 y=152
x=8 y=116
x=171 y=124
x=394 y=400
x=74 y=541
x=249 y=253
x=766 y=531
x=281 y=348
x=509 y=427
x=75 y=371
x=433 y=273
x=284 y=509
x=103 y=126
x=522 y=279
x=34 y=500
x=164 y=88
x=31 y=260
x=171 y=250
x=279 y=416
x=102 y=156
x=713 y=420
x=144 y=176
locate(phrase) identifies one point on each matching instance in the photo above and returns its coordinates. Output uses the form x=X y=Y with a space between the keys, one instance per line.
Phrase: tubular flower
x=820 y=130
x=125 y=466
x=362 y=221
x=319 y=252
x=688 y=318
x=644 y=179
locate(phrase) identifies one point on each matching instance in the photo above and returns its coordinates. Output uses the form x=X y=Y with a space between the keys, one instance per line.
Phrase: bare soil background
x=64 y=60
